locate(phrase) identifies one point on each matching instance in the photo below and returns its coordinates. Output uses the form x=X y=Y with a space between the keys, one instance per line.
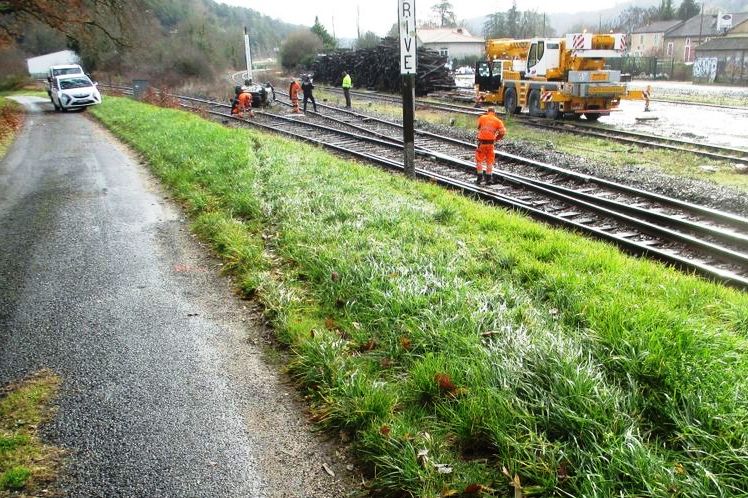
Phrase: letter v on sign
x=406 y=14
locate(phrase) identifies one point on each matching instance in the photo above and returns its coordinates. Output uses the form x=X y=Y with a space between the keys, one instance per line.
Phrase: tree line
x=633 y=17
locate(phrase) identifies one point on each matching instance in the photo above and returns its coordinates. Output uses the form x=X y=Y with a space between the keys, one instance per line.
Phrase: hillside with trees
x=165 y=40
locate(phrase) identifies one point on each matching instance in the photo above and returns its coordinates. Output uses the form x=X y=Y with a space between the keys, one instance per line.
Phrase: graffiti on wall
x=705 y=68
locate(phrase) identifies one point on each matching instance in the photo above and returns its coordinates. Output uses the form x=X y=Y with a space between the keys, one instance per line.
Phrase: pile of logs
x=379 y=68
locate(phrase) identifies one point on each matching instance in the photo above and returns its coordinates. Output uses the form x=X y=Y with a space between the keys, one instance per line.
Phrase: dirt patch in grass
x=27 y=466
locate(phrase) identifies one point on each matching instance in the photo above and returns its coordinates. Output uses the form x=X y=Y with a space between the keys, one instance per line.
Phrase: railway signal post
x=406 y=13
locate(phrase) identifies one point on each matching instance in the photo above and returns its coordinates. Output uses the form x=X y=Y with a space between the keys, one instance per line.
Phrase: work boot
x=491 y=180
x=479 y=179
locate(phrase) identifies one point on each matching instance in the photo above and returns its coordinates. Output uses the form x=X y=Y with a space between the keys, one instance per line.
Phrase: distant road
x=164 y=391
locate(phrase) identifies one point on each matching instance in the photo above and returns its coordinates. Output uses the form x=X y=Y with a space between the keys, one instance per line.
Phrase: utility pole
x=358 y=19
x=701 y=24
x=247 y=53
x=543 y=24
x=406 y=13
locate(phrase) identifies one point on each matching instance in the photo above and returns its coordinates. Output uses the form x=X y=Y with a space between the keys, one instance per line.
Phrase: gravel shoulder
x=168 y=389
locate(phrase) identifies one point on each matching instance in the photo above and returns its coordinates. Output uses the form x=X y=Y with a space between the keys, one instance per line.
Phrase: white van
x=61 y=70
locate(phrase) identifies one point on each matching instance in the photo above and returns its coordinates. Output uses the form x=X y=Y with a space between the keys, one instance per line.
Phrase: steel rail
x=711 y=151
x=738 y=222
x=631 y=246
x=725 y=254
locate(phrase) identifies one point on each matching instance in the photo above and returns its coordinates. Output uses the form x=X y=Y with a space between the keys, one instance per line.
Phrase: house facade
x=724 y=60
x=453 y=43
x=681 y=42
x=649 y=40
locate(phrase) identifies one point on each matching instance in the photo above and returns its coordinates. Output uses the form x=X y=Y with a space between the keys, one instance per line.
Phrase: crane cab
x=544 y=55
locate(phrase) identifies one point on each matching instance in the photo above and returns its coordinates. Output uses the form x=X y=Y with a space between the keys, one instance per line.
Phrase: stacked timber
x=378 y=68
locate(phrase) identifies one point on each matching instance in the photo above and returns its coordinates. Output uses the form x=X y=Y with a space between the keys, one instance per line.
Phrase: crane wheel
x=510 y=101
x=534 y=104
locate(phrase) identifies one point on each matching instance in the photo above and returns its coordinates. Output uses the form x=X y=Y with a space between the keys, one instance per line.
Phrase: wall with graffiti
x=723 y=67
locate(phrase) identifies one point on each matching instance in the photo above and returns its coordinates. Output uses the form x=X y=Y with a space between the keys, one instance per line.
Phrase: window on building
x=444 y=52
x=669 y=49
x=641 y=39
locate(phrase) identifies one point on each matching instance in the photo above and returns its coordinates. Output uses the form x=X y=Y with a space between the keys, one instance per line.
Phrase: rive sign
x=406 y=13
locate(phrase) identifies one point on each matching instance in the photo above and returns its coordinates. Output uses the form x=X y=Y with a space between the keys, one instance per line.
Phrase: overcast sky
x=378 y=16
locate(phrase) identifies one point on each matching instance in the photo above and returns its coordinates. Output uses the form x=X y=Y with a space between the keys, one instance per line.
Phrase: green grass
x=597 y=150
x=463 y=347
x=26 y=464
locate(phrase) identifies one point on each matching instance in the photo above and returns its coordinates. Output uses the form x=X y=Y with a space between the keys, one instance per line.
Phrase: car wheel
x=57 y=108
x=592 y=116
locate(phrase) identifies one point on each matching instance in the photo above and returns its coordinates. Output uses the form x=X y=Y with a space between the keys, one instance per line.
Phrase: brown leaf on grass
x=385 y=430
x=330 y=324
x=405 y=342
x=444 y=382
x=386 y=362
x=335 y=276
x=473 y=489
x=446 y=385
x=369 y=345
x=563 y=471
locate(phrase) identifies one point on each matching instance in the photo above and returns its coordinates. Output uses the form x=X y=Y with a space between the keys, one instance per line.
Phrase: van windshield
x=69 y=83
x=66 y=70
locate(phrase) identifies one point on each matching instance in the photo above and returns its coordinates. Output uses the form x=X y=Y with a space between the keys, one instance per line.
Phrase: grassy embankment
x=26 y=465
x=597 y=150
x=11 y=119
x=464 y=348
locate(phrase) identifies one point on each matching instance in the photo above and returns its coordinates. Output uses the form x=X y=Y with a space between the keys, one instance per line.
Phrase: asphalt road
x=166 y=389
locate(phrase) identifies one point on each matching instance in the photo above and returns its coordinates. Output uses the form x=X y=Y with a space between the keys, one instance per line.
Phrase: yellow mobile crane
x=554 y=77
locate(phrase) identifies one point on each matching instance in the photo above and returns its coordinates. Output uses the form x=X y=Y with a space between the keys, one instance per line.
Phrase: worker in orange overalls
x=242 y=102
x=490 y=129
x=293 y=92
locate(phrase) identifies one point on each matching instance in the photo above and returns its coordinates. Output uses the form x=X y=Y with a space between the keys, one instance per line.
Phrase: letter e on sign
x=406 y=14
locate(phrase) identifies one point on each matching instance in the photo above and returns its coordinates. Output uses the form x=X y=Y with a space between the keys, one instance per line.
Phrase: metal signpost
x=247 y=53
x=406 y=13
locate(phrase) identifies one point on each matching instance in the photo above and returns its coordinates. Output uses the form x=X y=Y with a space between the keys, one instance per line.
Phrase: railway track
x=694 y=238
x=598 y=131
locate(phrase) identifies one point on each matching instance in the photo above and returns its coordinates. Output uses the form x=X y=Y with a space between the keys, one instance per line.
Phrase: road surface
x=166 y=389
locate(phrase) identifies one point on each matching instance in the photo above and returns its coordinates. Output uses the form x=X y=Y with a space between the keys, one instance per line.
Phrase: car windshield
x=69 y=83
x=66 y=70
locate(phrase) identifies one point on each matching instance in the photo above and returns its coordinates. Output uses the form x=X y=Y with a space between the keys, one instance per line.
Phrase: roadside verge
x=462 y=348
x=11 y=120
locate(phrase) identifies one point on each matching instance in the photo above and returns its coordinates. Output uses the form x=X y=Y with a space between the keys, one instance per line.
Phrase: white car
x=75 y=91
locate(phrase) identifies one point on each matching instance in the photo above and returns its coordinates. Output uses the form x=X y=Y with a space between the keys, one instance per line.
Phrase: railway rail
x=599 y=131
x=697 y=239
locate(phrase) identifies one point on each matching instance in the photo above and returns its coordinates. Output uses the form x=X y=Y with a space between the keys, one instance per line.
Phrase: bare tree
x=445 y=14
x=76 y=19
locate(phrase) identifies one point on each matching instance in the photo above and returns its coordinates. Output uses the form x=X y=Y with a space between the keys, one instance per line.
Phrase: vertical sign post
x=406 y=13
x=247 y=53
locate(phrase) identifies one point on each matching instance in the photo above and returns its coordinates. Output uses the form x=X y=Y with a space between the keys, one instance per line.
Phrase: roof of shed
x=447 y=35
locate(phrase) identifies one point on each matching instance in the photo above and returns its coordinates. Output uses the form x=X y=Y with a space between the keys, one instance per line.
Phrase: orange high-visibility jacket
x=490 y=127
x=293 y=91
x=245 y=101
